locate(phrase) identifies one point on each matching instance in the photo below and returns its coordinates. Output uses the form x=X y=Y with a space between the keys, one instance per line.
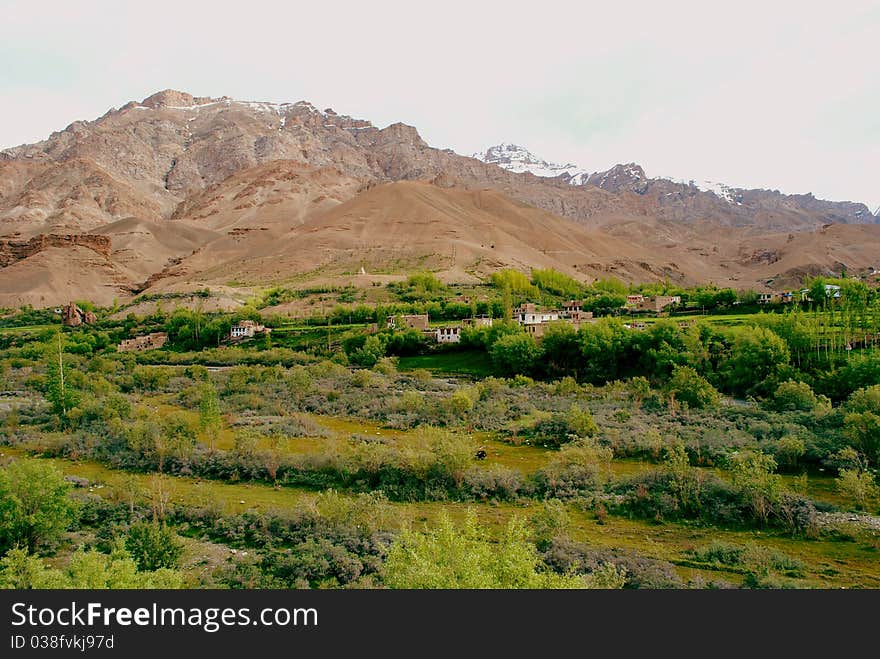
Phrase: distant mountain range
x=632 y=177
x=179 y=193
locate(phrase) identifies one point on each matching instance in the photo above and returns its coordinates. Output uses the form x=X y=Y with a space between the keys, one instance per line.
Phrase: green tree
x=754 y=474
x=514 y=281
x=173 y=435
x=795 y=396
x=372 y=351
x=61 y=396
x=790 y=449
x=460 y=404
x=757 y=360
x=866 y=399
x=86 y=569
x=557 y=283
x=639 y=389
x=34 y=507
x=859 y=485
x=862 y=429
x=605 y=350
x=451 y=556
x=561 y=353
x=153 y=545
x=209 y=414
x=515 y=354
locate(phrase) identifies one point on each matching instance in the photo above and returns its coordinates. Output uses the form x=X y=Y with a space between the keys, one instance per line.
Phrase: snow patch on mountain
x=515 y=158
x=721 y=190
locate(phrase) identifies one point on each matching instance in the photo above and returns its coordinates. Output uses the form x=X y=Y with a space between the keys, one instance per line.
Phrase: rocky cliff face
x=172 y=144
x=17 y=250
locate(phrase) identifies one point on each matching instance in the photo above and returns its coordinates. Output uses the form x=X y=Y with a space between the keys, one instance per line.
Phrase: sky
x=769 y=94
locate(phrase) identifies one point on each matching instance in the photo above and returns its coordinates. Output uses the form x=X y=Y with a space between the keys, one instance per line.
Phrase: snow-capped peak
x=721 y=190
x=515 y=158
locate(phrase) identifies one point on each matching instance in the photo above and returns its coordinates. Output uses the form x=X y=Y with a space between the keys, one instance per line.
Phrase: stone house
x=478 y=321
x=152 y=341
x=451 y=334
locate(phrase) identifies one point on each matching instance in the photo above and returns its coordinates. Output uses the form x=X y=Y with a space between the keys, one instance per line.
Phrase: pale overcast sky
x=775 y=94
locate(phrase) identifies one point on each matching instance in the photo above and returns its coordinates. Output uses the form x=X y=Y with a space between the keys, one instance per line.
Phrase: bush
x=566 y=556
x=580 y=468
x=153 y=546
x=688 y=386
x=496 y=482
x=791 y=396
x=858 y=485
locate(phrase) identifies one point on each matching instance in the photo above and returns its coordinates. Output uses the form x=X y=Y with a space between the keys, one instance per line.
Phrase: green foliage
x=797 y=396
x=514 y=282
x=862 y=429
x=862 y=422
x=757 y=561
x=581 y=422
x=59 y=392
x=789 y=450
x=639 y=389
x=421 y=286
x=753 y=473
x=859 y=485
x=173 y=435
x=515 y=354
x=686 y=484
x=370 y=353
x=611 y=285
x=580 y=468
x=561 y=351
x=153 y=546
x=554 y=430
x=757 y=361
x=605 y=348
x=690 y=387
x=464 y=556
x=86 y=569
x=193 y=329
x=557 y=283
x=209 y=413
x=549 y=521
x=34 y=507
x=865 y=400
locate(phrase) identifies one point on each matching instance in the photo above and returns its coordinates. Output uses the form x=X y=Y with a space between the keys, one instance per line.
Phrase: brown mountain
x=195 y=191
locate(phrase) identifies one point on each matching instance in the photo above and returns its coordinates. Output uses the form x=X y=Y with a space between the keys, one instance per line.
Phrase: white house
x=526 y=314
x=247 y=329
x=831 y=290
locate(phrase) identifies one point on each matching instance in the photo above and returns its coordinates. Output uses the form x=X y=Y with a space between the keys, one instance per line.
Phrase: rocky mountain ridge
x=188 y=189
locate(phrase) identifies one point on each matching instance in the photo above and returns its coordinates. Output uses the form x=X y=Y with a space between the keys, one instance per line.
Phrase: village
x=533 y=320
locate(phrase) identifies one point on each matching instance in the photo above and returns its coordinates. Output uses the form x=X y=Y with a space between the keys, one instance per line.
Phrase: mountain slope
x=177 y=192
x=397 y=227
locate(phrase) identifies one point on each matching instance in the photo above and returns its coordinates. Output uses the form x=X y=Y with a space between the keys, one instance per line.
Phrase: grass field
x=26 y=329
x=477 y=364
